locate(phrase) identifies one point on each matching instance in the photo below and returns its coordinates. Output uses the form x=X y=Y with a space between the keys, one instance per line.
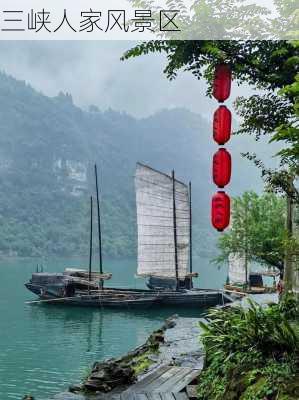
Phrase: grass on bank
x=142 y=363
x=251 y=354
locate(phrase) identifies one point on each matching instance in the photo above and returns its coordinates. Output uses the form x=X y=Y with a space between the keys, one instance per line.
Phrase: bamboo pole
x=99 y=223
x=190 y=231
x=90 y=243
x=175 y=232
x=235 y=292
x=50 y=300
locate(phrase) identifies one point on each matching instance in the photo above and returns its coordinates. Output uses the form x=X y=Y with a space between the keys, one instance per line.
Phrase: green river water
x=44 y=348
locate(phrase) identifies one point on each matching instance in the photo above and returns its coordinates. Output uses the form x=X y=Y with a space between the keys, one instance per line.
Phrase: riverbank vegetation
x=251 y=354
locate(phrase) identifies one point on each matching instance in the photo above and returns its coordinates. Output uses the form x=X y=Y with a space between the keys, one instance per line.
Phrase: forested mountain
x=48 y=147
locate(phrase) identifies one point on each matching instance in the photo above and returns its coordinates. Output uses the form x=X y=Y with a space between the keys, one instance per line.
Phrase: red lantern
x=220 y=211
x=222 y=125
x=222 y=82
x=222 y=168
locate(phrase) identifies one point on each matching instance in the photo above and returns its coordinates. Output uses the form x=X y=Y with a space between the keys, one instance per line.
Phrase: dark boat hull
x=128 y=298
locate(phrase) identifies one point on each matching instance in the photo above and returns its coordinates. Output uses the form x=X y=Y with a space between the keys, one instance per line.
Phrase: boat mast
x=175 y=232
x=99 y=224
x=190 y=230
x=90 y=244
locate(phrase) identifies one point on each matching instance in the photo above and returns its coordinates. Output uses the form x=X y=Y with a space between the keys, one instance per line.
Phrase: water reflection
x=44 y=348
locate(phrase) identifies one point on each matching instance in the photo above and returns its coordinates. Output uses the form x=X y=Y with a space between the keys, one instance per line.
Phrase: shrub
x=250 y=353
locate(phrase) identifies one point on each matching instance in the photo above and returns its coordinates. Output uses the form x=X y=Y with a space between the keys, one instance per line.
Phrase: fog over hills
x=93 y=73
x=48 y=147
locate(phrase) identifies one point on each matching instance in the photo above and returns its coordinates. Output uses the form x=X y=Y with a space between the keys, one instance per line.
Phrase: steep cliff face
x=73 y=175
x=48 y=147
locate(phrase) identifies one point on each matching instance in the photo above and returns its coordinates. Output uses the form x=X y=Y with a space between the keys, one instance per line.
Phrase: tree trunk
x=296 y=256
x=288 y=266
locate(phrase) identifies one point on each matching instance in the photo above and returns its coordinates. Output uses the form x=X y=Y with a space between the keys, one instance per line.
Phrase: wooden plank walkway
x=166 y=383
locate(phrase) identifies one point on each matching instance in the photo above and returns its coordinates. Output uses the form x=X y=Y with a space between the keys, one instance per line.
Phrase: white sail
x=155 y=221
x=236 y=269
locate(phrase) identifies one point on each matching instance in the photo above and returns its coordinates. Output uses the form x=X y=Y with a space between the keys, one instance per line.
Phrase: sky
x=93 y=74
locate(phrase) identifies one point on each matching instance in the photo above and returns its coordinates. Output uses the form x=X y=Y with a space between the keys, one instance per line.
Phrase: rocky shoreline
x=175 y=343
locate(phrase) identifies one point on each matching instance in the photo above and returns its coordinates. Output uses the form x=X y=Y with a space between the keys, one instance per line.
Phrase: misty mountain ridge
x=47 y=153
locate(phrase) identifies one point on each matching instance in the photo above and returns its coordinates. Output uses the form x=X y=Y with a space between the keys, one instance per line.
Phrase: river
x=44 y=348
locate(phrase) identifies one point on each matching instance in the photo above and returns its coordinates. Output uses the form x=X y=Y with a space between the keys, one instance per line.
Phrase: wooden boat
x=62 y=290
x=242 y=280
x=164 y=221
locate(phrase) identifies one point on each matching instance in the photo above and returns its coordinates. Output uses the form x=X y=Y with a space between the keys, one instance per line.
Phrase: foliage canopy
x=269 y=66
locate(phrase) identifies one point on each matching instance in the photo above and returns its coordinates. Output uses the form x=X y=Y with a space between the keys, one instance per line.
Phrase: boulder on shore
x=106 y=376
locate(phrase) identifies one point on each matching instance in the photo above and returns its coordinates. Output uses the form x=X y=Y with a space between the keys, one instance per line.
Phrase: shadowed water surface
x=44 y=348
